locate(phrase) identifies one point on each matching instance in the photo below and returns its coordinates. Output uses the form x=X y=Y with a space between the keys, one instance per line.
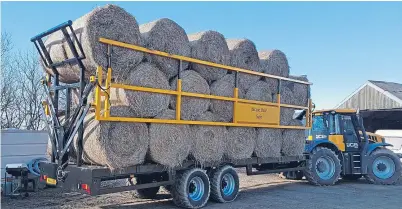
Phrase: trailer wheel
x=148 y=193
x=224 y=184
x=323 y=168
x=191 y=189
x=384 y=167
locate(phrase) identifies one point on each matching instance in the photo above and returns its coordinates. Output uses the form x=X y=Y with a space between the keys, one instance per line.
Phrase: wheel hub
x=196 y=189
x=228 y=184
x=321 y=167
x=383 y=167
x=325 y=167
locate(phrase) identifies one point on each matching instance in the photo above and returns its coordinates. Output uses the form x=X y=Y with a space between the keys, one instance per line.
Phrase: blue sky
x=339 y=45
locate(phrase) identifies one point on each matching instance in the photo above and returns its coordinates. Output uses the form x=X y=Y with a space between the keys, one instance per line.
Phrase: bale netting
x=293 y=140
x=286 y=98
x=114 y=144
x=167 y=36
x=274 y=62
x=209 y=46
x=240 y=142
x=110 y=22
x=147 y=104
x=191 y=107
x=169 y=144
x=208 y=141
x=260 y=91
x=243 y=54
x=54 y=45
x=268 y=143
x=273 y=84
x=224 y=87
x=300 y=90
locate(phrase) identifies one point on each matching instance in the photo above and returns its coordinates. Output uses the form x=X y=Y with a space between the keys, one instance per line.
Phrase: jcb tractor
x=339 y=147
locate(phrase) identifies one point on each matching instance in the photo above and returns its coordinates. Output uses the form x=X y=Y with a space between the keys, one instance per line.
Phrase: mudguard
x=372 y=147
x=310 y=145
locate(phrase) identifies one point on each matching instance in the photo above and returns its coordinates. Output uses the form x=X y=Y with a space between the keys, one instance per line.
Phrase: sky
x=338 y=45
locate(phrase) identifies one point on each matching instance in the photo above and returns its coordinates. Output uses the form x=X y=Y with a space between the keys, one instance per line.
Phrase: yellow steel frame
x=104 y=90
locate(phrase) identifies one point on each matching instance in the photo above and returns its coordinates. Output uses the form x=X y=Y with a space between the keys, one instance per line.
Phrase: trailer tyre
x=384 y=167
x=224 y=184
x=323 y=168
x=191 y=189
x=148 y=193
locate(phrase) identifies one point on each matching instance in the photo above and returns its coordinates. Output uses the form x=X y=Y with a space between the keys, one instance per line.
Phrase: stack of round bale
x=122 y=144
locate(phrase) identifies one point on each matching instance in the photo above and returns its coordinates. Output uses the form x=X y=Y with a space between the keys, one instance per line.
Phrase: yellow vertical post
x=107 y=85
x=178 y=99
x=278 y=96
x=98 y=104
x=236 y=97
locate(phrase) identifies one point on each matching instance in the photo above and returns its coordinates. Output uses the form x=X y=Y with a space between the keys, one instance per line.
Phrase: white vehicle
x=393 y=137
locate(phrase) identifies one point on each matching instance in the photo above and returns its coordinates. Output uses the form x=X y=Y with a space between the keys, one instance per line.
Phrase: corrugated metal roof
x=393 y=88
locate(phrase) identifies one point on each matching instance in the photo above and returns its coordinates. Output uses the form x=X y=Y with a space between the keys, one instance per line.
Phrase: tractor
x=339 y=147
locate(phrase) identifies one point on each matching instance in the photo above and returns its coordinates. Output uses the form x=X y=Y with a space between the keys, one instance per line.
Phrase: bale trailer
x=190 y=184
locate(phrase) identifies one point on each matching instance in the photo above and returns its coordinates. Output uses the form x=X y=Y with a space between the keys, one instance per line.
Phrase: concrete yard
x=263 y=191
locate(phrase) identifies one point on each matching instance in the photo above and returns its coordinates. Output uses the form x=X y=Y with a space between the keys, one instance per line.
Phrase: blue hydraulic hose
x=33 y=165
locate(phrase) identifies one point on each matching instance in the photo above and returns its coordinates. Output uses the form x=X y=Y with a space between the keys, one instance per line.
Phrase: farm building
x=380 y=104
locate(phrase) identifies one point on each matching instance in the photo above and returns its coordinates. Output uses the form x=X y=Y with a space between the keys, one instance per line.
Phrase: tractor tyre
x=384 y=167
x=323 y=167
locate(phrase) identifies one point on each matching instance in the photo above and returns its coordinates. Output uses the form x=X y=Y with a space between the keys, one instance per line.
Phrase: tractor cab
x=341 y=129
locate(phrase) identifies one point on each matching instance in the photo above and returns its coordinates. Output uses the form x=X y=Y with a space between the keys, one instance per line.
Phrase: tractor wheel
x=191 y=189
x=351 y=177
x=384 y=167
x=323 y=168
x=148 y=193
x=224 y=184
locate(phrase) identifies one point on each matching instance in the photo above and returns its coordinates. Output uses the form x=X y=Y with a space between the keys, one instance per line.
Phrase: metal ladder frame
x=61 y=135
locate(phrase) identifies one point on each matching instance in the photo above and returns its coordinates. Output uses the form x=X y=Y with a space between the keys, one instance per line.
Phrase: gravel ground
x=263 y=191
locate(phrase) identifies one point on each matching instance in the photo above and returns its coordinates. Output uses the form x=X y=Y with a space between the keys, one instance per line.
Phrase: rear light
x=86 y=188
x=43 y=177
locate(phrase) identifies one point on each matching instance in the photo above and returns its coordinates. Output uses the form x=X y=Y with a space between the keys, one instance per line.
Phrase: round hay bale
x=169 y=144
x=115 y=144
x=274 y=62
x=286 y=98
x=300 y=91
x=259 y=91
x=208 y=141
x=224 y=87
x=273 y=84
x=147 y=104
x=240 y=142
x=167 y=36
x=110 y=22
x=243 y=54
x=293 y=140
x=209 y=46
x=54 y=45
x=268 y=143
x=286 y=115
x=191 y=107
